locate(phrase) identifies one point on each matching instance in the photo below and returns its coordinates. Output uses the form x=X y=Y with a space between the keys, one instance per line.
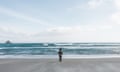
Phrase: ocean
x=49 y=49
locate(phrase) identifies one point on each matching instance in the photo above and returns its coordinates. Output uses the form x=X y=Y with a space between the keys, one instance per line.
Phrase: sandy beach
x=67 y=65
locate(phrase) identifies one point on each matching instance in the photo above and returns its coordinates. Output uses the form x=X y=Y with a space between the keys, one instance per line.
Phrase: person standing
x=60 y=53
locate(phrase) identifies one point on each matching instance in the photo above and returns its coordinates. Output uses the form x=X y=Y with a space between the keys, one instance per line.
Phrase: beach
x=53 y=65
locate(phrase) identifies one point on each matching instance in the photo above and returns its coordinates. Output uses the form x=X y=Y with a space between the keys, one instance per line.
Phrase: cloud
x=22 y=16
x=8 y=34
x=116 y=17
x=91 y=4
x=117 y=3
x=59 y=34
x=82 y=33
x=75 y=34
x=94 y=3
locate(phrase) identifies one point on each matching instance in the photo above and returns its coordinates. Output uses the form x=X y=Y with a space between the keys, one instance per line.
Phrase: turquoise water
x=52 y=48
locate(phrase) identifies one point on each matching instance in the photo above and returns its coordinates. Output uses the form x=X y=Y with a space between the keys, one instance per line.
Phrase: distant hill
x=8 y=42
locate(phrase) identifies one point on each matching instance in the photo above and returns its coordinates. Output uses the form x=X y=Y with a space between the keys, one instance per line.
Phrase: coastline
x=56 y=56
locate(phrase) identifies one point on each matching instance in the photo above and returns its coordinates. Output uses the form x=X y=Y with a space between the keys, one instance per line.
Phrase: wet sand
x=67 y=65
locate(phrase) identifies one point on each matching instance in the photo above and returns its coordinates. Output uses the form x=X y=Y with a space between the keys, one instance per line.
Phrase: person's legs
x=60 y=58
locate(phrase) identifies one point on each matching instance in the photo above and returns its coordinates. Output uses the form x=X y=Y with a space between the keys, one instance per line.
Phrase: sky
x=60 y=20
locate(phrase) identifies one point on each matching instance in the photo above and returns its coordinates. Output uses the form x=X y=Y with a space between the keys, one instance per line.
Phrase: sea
x=20 y=50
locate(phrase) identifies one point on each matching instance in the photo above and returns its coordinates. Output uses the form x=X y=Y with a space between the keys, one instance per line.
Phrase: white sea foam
x=64 y=56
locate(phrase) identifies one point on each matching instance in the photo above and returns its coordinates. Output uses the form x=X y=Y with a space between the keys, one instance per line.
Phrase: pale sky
x=60 y=20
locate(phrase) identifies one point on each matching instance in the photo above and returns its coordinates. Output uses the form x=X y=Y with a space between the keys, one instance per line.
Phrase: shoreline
x=55 y=56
